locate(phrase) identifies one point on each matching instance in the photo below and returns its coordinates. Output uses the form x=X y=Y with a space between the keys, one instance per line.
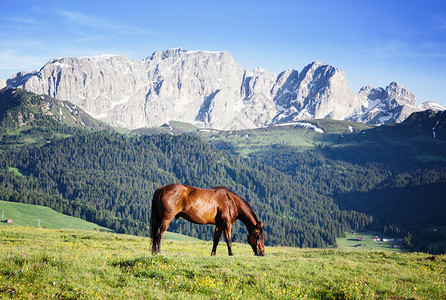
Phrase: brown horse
x=217 y=206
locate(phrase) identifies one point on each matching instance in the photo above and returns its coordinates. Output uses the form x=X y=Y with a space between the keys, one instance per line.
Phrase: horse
x=218 y=206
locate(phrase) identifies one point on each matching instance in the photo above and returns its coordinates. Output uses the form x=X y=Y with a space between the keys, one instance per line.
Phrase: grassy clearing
x=18 y=172
x=69 y=264
x=360 y=241
x=246 y=142
x=28 y=215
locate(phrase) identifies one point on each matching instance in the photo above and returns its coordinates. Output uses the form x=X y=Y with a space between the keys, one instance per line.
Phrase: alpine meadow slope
x=209 y=89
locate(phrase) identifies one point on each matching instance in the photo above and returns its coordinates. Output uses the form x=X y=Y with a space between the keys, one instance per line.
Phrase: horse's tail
x=155 y=221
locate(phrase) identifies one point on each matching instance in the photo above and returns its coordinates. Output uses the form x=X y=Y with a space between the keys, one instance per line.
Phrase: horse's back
x=202 y=206
x=192 y=192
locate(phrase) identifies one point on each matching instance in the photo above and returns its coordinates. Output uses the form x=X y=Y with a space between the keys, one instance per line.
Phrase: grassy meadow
x=246 y=142
x=29 y=215
x=360 y=241
x=43 y=263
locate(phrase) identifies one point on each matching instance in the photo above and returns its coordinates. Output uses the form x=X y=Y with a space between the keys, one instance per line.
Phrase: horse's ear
x=259 y=225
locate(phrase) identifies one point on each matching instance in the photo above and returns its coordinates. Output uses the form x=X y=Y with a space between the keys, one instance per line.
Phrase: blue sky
x=373 y=42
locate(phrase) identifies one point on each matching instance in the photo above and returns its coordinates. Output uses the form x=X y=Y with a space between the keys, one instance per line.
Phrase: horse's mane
x=250 y=208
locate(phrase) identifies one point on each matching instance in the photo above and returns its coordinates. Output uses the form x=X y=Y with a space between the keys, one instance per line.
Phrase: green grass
x=18 y=172
x=182 y=127
x=28 y=215
x=68 y=264
x=360 y=241
x=246 y=142
x=340 y=127
x=172 y=127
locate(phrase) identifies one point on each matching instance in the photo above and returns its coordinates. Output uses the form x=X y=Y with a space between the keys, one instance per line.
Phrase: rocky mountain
x=2 y=83
x=209 y=89
x=391 y=105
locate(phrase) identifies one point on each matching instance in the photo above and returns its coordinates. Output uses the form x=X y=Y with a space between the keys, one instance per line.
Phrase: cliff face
x=209 y=89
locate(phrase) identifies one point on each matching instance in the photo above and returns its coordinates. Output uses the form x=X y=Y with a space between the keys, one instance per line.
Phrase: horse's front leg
x=217 y=234
x=228 y=237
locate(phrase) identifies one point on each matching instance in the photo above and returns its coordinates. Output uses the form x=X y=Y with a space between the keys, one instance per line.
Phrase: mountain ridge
x=209 y=89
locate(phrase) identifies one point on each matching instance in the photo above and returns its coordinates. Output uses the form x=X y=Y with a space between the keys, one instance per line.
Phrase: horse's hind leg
x=217 y=234
x=228 y=237
x=160 y=233
x=156 y=242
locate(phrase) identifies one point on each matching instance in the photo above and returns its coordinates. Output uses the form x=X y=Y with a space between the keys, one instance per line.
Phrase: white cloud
x=104 y=24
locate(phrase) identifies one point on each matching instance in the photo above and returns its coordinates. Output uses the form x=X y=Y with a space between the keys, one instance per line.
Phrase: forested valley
x=404 y=196
x=110 y=179
x=304 y=198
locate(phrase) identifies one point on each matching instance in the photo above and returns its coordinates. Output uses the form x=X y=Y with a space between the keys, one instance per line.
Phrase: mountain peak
x=365 y=89
x=259 y=70
x=174 y=52
x=318 y=68
x=209 y=89
x=401 y=94
x=159 y=55
x=395 y=84
x=317 y=64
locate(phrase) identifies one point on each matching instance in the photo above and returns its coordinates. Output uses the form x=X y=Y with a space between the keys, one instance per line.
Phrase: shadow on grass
x=153 y=266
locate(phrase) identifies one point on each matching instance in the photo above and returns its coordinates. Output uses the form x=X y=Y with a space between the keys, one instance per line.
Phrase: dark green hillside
x=20 y=108
x=428 y=122
x=421 y=136
x=110 y=178
x=395 y=173
x=30 y=119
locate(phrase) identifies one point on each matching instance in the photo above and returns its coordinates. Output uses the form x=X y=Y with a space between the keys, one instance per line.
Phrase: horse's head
x=256 y=239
